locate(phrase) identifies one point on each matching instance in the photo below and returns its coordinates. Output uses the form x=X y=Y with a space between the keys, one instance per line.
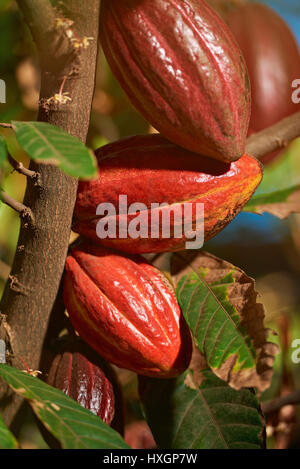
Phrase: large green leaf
x=201 y=414
x=7 y=440
x=218 y=301
x=48 y=143
x=71 y=424
x=279 y=203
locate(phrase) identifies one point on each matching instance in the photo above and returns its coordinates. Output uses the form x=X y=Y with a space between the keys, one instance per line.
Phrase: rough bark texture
x=40 y=256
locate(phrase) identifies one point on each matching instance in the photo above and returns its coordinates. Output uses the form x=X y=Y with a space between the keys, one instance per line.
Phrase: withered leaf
x=219 y=303
x=198 y=363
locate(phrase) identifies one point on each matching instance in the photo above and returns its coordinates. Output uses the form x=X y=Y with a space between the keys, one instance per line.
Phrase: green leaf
x=49 y=144
x=279 y=203
x=218 y=301
x=201 y=414
x=283 y=172
x=3 y=151
x=7 y=440
x=71 y=424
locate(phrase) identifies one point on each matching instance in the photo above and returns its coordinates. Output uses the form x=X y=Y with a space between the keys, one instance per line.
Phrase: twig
x=275 y=137
x=25 y=212
x=274 y=405
x=20 y=168
x=6 y=126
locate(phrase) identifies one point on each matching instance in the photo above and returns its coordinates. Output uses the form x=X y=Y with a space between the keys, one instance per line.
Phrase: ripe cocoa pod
x=180 y=66
x=85 y=377
x=149 y=169
x=125 y=309
x=273 y=60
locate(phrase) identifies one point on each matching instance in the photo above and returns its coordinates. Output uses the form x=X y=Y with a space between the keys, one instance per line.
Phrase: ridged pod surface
x=82 y=377
x=180 y=66
x=273 y=60
x=127 y=311
x=149 y=169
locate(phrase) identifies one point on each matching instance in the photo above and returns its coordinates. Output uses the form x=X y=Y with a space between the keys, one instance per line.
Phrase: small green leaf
x=183 y=413
x=3 y=151
x=71 y=424
x=279 y=203
x=7 y=440
x=283 y=172
x=48 y=143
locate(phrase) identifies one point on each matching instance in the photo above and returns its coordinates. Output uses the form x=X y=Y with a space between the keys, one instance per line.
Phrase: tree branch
x=33 y=284
x=6 y=126
x=53 y=45
x=39 y=16
x=24 y=211
x=269 y=407
x=275 y=137
x=20 y=168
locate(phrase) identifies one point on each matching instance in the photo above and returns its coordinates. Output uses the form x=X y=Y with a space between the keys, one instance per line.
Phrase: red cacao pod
x=180 y=66
x=86 y=378
x=273 y=60
x=149 y=169
x=126 y=311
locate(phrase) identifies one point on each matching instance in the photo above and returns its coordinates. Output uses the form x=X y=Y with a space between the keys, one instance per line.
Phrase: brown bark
x=275 y=137
x=276 y=404
x=34 y=281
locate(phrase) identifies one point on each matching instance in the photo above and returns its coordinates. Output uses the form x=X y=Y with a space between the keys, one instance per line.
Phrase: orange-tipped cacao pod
x=273 y=60
x=127 y=311
x=149 y=169
x=180 y=66
x=85 y=377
